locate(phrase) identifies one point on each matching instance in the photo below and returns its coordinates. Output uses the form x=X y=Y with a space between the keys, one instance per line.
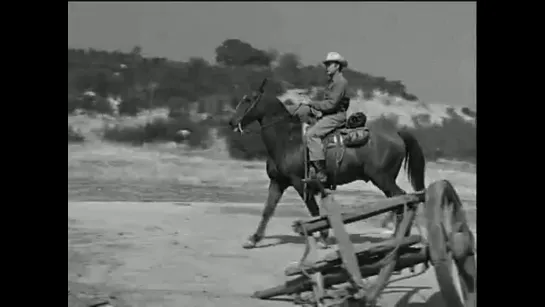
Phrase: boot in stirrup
x=319 y=166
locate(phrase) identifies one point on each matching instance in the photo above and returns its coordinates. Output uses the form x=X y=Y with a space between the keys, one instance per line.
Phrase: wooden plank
x=302 y=283
x=360 y=212
x=345 y=246
x=364 y=253
x=406 y=260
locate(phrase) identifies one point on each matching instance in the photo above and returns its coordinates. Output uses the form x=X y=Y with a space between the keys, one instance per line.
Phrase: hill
x=116 y=90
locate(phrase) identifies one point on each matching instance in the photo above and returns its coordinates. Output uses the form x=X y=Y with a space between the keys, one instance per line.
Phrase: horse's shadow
x=296 y=239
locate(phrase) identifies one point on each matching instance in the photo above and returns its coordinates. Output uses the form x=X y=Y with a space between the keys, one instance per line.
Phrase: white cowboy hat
x=335 y=57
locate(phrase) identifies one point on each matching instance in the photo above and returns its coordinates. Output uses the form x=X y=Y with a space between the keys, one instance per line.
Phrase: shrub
x=132 y=106
x=73 y=104
x=161 y=130
x=454 y=139
x=94 y=104
x=103 y=106
x=467 y=111
x=74 y=136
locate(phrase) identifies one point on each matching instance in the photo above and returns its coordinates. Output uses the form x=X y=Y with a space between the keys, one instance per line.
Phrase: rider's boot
x=320 y=168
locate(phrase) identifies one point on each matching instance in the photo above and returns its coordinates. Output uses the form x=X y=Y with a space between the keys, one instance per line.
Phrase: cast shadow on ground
x=435 y=300
x=296 y=239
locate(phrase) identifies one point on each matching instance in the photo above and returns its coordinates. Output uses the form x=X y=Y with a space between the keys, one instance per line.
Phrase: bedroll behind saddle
x=355 y=133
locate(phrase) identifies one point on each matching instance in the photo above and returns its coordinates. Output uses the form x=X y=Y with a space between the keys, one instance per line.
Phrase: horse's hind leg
x=388 y=186
x=276 y=190
x=390 y=189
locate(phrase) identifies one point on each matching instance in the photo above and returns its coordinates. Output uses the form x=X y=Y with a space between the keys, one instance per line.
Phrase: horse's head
x=248 y=110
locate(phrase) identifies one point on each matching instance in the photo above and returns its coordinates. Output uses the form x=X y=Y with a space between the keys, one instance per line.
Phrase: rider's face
x=332 y=67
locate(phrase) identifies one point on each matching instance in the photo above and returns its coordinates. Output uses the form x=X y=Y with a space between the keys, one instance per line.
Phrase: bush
x=132 y=106
x=73 y=104
x=467 y=111
x=161 y=130
x=454 y=139
x=94 y=104
x=74 y=136
x=103 y=106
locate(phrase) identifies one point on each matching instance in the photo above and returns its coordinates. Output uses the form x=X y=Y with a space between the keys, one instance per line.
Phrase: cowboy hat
x=335 y=57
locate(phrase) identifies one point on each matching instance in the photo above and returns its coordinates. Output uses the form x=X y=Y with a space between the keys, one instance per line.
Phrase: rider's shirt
x=335 y=99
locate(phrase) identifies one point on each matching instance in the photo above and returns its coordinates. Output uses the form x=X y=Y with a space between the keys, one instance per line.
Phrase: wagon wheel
x=402 y=230
x=451 y=245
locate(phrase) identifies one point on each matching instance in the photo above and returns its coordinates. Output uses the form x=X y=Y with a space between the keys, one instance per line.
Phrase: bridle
x=250 y=108
x=254 y=103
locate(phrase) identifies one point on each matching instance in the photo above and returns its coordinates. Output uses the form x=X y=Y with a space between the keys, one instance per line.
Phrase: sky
x=429 y=46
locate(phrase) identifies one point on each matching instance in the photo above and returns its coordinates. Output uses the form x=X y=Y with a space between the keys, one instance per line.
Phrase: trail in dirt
x=172 y=191
x=189 y=254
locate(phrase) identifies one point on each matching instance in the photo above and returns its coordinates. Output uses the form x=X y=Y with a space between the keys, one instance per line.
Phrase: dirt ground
x=190 y=254
x=164 y=227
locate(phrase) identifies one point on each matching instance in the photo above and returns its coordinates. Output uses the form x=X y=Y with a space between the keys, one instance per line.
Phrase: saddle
x=353 y=133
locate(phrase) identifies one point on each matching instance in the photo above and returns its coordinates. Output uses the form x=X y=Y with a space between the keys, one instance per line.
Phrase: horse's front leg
x=276 y=190
x=313 y=209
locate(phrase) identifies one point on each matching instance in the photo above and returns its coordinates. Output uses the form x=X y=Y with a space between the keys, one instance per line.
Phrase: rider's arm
x=337 y=93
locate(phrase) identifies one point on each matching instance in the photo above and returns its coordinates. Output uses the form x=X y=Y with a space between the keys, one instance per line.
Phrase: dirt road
x=189 y=254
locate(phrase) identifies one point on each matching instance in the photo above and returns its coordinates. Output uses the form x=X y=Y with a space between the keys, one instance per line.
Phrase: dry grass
x=93 y=126
x=106 y=172
x=103 y=161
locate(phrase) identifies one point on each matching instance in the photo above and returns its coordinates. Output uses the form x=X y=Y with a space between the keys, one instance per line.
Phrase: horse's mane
x=292 y=100
x=290 y=121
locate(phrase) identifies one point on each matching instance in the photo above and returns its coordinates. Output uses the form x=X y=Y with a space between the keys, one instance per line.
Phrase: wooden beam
x=359 y=213
x=364 y=253
x=302 y=283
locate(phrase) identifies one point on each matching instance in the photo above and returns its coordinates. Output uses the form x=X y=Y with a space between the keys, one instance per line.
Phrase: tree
x=234 y=52
x=289 y=69
x=272 y=54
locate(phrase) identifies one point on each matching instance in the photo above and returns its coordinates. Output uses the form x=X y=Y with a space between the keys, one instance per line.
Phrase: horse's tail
x=415 y=164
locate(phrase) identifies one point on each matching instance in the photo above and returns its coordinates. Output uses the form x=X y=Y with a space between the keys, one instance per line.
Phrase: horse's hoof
x=249 y=244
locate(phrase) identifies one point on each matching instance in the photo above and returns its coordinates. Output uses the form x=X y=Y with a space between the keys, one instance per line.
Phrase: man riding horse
x=331 y=112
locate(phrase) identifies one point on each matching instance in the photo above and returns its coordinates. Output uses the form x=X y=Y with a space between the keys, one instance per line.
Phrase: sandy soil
x=164 y=227
x=189 y=254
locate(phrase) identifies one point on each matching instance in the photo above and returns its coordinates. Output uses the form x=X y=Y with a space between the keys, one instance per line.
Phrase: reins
x=273 y=123
x=254 y=103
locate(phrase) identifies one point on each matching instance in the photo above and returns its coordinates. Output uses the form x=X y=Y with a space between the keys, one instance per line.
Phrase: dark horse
x=379 y=161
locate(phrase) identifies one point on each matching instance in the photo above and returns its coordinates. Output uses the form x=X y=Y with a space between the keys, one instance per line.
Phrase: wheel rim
x=455 y=267
x=456 y=279
x=449 y=212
